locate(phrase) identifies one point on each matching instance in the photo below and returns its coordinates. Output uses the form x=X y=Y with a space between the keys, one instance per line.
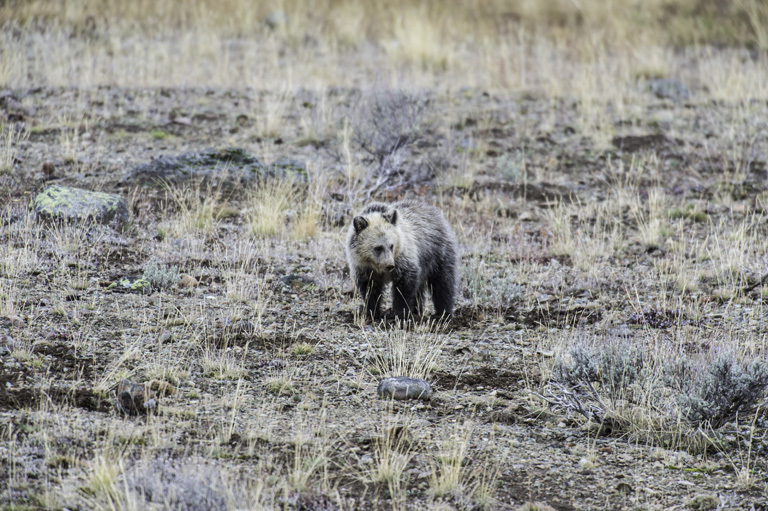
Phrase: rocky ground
x=646 y=232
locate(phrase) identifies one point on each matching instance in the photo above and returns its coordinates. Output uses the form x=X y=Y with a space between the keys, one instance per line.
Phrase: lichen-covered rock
x=75 y=204
x=402 y=388
x=131 y=285
x=230 y=166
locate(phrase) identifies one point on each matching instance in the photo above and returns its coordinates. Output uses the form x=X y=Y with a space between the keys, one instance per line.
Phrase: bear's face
x=376 y=241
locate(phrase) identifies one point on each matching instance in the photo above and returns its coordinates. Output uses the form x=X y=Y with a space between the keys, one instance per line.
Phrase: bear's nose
x=390 y=267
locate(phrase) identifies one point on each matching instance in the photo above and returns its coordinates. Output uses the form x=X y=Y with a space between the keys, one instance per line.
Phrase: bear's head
x=375 y=240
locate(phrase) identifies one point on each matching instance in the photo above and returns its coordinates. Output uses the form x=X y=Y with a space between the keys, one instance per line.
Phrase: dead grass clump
x=196 y=210
x=221 y=364
x=305 y=225
x=271 y=201
x=400 y=352
x=11 y=141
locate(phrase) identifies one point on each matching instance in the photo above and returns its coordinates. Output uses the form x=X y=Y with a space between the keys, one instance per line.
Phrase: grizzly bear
x=410 y=245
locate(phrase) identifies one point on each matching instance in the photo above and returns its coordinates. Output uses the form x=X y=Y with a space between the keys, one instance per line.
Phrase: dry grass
x=10 y=140
x=566 y=238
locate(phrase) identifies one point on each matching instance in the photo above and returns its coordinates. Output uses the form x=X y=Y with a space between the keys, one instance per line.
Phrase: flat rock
x=666 y=88
x=229 y=166
x=75 y=204
x=402 y=388
x=131 y=285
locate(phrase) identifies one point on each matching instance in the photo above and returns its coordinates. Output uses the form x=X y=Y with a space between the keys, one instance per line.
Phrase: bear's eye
x=391 y=247
x=379 y=249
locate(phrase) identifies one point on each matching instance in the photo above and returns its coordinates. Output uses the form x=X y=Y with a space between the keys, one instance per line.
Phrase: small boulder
x=229 y=166
x=188 y=281
x=131 y=285
x=276 y=20
x=402 y=388
x=134 y=398
x=75 y=204
x=703 y=502
x=666 y=88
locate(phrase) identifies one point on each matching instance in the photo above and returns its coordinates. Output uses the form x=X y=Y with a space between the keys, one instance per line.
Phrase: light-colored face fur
x=378 y=241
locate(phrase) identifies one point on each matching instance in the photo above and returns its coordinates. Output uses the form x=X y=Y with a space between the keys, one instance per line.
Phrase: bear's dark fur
x=409 y=244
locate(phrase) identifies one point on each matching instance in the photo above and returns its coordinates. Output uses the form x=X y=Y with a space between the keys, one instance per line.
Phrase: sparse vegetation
x=160 y=276
x=602 y=164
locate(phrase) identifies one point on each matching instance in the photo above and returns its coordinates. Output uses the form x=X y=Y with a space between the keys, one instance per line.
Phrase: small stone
x=16 y=321
x=49 y=169
x=295 y=281
x=188 y=281
x=666 y=88
x=703 y=502
x=535 y=506
x=276 y=20
x=7 y=344
x=134 y=398
x=402 y=388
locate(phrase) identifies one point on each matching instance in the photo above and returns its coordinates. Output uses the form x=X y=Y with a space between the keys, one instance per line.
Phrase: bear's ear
x=360 y=223
x=391 y=217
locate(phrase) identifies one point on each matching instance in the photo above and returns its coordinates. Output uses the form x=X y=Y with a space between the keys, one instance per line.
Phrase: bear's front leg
x=371 y=290
x=405 y=291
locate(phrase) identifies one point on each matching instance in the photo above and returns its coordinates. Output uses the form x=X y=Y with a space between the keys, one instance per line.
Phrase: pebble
x=402 y=388
x=16 y=321
x=703 y=502
x=188 y=281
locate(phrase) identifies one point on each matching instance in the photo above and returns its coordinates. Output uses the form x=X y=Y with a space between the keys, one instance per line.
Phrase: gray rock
x=228 y=166
x=276 y=20
x=296 y=281
x=134 y=398
x=666 y=88
x=402 y=388
x=703 y=502
x=7 y=344
x=75 y=204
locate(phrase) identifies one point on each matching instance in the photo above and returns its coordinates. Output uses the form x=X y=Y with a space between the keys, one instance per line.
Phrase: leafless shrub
x=389 y=122
x=614 y=366
x=592 y=380
x=715 y=392
x=612 y=381
x=384 y=125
